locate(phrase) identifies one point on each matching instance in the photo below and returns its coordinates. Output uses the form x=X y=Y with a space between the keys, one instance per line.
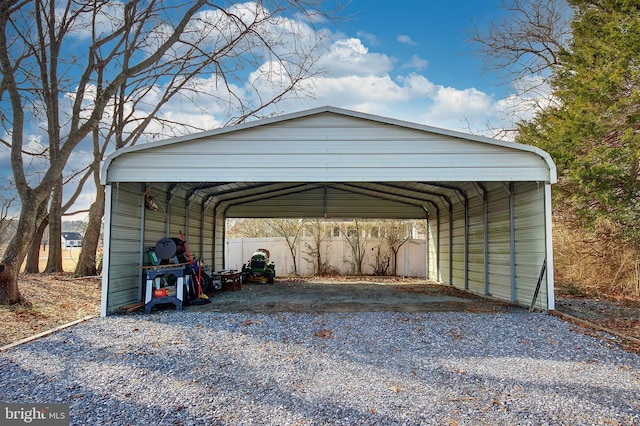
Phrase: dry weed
x=594 y=263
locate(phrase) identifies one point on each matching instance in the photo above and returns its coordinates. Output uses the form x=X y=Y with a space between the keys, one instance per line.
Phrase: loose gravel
x=378 y=368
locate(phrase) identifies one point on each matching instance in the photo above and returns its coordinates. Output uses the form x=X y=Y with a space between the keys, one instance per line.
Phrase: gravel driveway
x=202 y=368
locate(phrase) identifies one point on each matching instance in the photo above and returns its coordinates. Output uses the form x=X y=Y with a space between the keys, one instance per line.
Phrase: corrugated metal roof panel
x=328 y=146
x=327 y=202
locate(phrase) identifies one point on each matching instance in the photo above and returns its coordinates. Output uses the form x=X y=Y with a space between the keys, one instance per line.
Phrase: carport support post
x=427 y=242
x=485 y=231
x=512 y=240
x=466 y=240
x=214 y=256
x=143 y=212
x=450 y=242
x=551 y=298
x=437 y=276
x=106 y=258
x=205 y=207
x=436 y=243
x=202 y=211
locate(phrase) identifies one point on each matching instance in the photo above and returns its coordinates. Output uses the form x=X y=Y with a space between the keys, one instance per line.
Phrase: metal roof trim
x=335 y=110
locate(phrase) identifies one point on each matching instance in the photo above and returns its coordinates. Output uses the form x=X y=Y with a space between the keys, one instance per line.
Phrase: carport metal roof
x=488 y=202
x=327 y=162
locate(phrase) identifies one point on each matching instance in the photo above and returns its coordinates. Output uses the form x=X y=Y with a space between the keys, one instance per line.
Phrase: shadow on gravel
x=183 y=368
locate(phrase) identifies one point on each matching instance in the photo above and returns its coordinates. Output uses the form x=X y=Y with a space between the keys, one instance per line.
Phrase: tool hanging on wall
x=148 y=199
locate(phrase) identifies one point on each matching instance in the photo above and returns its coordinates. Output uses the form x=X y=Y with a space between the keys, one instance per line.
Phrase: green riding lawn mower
x=259 y=268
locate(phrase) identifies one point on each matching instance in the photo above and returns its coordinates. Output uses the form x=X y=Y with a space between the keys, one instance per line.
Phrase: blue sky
x=434 y=31
x=412 y=60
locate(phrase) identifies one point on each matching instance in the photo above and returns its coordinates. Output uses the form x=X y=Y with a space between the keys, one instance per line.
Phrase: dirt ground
x=348 y=295
x=52 y=300
x=58 y=299
x=622 y=316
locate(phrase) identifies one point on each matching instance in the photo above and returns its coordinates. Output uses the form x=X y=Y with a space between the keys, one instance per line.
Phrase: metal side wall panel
x=433 y=273
x=458 y=244
x=124 y=272
x=207 y=235
x=530 y=242
x=194 y=232
x=444 y=246
x=177 y=220
x=218 y=243
x=499 y=242
x=476 y=244
x=155 y=220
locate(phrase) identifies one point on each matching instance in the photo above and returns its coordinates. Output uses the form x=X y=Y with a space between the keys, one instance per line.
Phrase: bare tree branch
x=526 y=42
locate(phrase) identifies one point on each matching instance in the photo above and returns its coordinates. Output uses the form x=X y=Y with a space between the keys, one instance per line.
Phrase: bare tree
x=242 y=37
x=290 y=230
x=318 y=230
x=395 y=233
x=6 y=219
x=250 y=228
x=527 y=40
x=357 y=238
x=135 y=57
x=524 y=46
x=32 y=264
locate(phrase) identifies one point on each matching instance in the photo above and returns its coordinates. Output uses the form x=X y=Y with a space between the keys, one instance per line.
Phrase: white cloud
x=418 y=85
x=349 y=57
x=405 y=39
x=369 y=38
x=416 y=62
x=460 y=109
x=412 y=97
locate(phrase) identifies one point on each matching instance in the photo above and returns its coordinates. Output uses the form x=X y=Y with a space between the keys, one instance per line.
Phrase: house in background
x=71 y=239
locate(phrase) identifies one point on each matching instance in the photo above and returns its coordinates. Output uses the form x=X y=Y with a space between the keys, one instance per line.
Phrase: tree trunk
x=32 y=265
x=17 y=251
x=395 y=260
x=318 y=259
x=54 y=262
x=33 y=258
x=87 y=261
x=9 y=292
x=292 y=250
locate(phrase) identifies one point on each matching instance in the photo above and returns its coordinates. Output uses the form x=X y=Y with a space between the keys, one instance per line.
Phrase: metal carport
x=487 y=202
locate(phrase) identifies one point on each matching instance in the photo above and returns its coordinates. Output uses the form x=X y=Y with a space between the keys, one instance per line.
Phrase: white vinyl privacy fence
x=336 y=253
